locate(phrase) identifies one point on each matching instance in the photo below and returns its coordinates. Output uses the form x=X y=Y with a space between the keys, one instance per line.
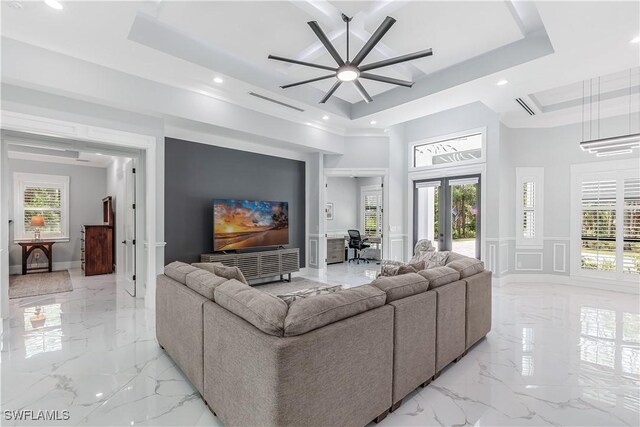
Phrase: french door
x=447 y=212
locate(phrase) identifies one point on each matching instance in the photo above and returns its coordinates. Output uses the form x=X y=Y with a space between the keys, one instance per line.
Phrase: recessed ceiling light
x=372 y=122
x=635 y=39
x=98 y=154
x=325 y=117
x=54 y=4
x=307 y=123
x=502 y=82
x=218 y=79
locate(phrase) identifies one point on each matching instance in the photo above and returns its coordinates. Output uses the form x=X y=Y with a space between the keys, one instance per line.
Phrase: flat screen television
x=241 y=224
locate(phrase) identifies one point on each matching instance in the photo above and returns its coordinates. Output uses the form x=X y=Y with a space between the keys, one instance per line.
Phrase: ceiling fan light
x=347 y=73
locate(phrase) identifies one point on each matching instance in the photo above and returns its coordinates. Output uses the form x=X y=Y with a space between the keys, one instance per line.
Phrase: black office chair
x=357 y=243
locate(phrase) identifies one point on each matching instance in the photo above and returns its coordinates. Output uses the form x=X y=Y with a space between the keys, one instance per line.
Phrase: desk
x=375 y=242
x=46 y=246
x=335 y=250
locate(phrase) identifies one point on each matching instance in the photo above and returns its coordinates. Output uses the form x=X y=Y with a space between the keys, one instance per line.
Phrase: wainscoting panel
x=529 y=261
x=560 y=257
x=397 y=249
x=491 y=258
x=504 y=258
x=313 y=252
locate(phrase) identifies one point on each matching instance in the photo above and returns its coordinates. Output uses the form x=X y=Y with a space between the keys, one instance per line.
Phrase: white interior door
x=129 y=238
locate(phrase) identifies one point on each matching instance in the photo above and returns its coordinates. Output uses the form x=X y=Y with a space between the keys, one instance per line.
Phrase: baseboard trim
x=558 y=279
x=65 y=265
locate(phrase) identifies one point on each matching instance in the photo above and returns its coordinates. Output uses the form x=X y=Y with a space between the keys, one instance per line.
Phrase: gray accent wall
x=195 y=174
x=87 y=188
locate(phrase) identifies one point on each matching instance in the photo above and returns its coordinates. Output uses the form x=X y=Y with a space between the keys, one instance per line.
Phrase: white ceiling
x=84 y=159
x=588 y=38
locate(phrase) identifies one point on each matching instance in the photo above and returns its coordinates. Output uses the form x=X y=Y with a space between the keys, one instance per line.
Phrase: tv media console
x=260 y=265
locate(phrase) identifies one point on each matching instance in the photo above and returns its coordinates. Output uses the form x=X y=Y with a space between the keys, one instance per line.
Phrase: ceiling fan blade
x=308 y=81
x=385 y=79
x=306 y=64
x=326 y=42
x=335 y=86
x=373 y=40
x=396 y=60
x=361 y=90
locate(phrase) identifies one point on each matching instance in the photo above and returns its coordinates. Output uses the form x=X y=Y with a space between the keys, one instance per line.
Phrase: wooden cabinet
x=260 y=265
x=97 y=249
x=335 y=250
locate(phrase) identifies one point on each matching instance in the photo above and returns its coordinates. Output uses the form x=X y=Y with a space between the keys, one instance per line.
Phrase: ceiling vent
x=275 y=101
x=525 y=106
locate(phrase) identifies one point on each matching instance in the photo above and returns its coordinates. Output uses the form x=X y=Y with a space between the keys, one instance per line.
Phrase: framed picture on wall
x=329 y=211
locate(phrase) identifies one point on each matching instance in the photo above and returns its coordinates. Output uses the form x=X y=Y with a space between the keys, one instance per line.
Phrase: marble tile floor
x=557 y=355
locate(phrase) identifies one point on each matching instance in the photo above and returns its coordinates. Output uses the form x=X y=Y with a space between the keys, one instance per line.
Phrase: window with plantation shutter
x=372 y=210
x=631 y=226
x=46 y=196
x=529 y=183
x=528 y=207
x=606 y=236
x=599 y=225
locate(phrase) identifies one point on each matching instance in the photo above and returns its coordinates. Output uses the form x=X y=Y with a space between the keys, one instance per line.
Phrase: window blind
x=631 y=226
x=372 y=213
x=45 y=202
x=528 y=210
x=598 y=200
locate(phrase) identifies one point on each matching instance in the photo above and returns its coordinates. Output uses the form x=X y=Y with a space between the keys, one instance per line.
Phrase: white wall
x=116 y=187
x=344 y=193
x=87 y=187
x=360 y=152
x=396 y=214
x=554 y=149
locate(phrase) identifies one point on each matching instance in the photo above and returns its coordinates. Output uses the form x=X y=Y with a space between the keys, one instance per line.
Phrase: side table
x=46 y=246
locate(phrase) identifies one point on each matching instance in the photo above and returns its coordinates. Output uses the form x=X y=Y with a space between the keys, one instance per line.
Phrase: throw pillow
x=218 y=269
x=411 y=268
x=438 y=258
x=290 y=297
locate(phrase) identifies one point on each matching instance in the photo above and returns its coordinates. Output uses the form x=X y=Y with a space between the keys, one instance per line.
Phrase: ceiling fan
x=352 y=70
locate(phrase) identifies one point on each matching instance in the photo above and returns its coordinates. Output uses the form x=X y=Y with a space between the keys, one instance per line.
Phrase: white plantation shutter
x=528 y=210
x=44 y=201
x=41 y=195
x=372 y=209
x=598 y=236
x=529 y=189
x=631 y=226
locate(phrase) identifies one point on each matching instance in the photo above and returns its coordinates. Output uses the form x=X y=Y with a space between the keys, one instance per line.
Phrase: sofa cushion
x=264 y=311
x=401 y=286
x=222 y=270
x=466 y=266
x=454 y=256
x=290 y=297
x=204 y=282
x=312 y=313
x=439 y=276
x=178 y=271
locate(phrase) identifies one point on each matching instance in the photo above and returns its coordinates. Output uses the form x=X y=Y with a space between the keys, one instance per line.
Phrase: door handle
x=124 y=242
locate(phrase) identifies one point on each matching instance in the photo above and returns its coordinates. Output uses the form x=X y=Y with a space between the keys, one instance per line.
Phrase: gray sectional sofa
x=341 y=358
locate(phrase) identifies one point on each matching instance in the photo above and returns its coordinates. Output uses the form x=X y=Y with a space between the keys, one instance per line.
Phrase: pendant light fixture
x=608 y=146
